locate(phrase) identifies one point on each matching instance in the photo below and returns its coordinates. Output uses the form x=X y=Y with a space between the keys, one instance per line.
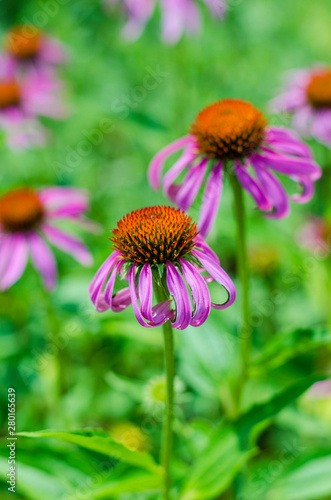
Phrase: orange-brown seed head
x=9 y=93
x=319 y=89
x=229 y=129
x=155 y=235
x=23 y=41
x=20 y=210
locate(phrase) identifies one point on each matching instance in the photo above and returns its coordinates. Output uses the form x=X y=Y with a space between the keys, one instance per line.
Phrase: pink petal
x=184 y=161
x=191 y=185
x=219 y=275
x=178 y=290
x=156 y=166
x=211 y=200
x=68 y=244
x=250 y=185
x=43 y=260
x=199 y=291
x=101 y=276
x=16 y=263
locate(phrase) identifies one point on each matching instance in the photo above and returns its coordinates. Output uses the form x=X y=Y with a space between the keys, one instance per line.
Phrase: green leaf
x=268 y=409
x=284 y=347
x=136 y=482
x=217 y=467
x=310 y=481
x=33 y=483
x=233 y=444
x=101 y=444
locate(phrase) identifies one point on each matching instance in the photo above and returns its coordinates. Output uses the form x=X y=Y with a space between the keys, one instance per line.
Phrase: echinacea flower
x=22 y=100
x=158 y=248
x=178 y=16
x=233 y=136
x=315 y=235
x=29 y=48
x=307 y=96
x=27 y=218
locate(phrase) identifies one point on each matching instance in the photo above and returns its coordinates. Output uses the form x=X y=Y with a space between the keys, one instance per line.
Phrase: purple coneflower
x=178 y=16
x=29 y=48
x=233 y=136
x=22 y=99
x=158 y=249
x=308 y=98
x=27 y=217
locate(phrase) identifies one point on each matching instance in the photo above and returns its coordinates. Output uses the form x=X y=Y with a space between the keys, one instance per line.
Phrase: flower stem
x=169 y=359
x=166 y=448
x=245 y=332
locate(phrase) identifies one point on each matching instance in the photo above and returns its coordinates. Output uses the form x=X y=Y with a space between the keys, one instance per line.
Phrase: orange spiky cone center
x=319 y=89
x=155 y=235
x=229 y=129
x=23 y=41
x=20 y=210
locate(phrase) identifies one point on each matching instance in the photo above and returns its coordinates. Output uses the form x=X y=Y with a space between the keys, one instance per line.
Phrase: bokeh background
x=73 y=368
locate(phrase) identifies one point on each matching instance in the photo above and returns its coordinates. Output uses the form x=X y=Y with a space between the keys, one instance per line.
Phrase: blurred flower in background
x=160 y=249
x=29 y=87
x=317 y=401
x=178 y=16
x=315 y=235
x=27 y=216
x=155 y=394
x=28 y=48
x=234 y=131
x=131 y=436
x=307 y=96
x=22 y=100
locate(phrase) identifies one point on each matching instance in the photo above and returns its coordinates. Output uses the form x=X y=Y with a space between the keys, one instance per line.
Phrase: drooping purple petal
x=199 y=291
x=286 y=141
x=191 y=185
x=251 y=185
x=43 y=260
x=6 y=243
x=156 y=165
x=219 y=275
x=289 y=165
x=62 y=201
x=111 y=282
x=302 y=118
x=101 y=276
x=184 y=161
x=202 y=245
x=121 y=300
x=178 y=290
x=321 y=126
x=274 y=191
x=308 y=188
x=216 y=7
x=146 y=291
x=211 y=200
x=139 y=11
x=178 y=16
x=16 y=263
x=161 y=313
x=68 y=244
x=52 y=51
x=288 y=101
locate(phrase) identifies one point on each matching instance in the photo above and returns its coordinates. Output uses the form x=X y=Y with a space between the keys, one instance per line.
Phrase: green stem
x=167 y=433
x=166 y=448
x=245 y=332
